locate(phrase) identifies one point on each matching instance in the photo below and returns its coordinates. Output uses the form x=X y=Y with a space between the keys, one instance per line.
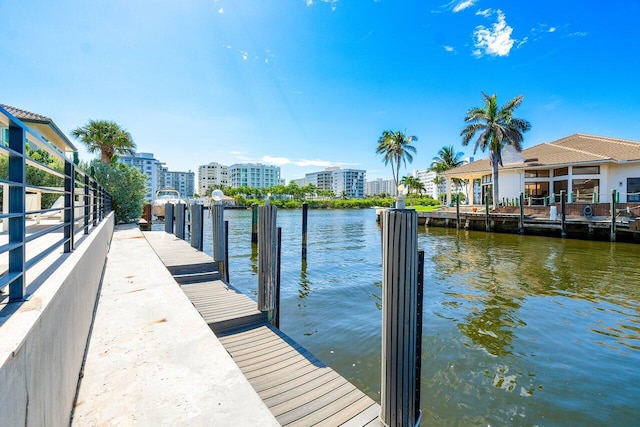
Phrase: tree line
x=495 y=127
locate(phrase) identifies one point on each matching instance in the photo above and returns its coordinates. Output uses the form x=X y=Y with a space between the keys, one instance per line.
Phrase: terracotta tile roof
x=25 y=115
x=577 y=148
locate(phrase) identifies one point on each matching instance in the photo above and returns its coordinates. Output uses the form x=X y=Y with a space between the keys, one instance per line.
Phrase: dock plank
x=296 y=386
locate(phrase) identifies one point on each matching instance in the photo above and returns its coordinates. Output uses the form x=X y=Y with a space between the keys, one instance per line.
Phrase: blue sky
x=307 y=84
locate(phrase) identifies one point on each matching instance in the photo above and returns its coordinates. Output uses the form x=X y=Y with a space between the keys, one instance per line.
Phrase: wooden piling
x=487 y=226
x=226 y=251
x=218 y=237
x=168 y=218
x=197 y=222
x=305 y=211
x=521 y=221
x=254 y=223
x=180 y=219
x=399 y=318
x=563 y=214
x=612 y=207
x=276 y=319
x=267 y=259
x=458 y=211
x=419 y=332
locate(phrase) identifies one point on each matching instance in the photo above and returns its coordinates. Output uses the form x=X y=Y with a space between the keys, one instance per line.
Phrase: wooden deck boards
x=295 y=385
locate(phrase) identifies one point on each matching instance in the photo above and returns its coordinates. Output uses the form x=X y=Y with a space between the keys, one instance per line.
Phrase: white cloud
x=495 y=40
x=486 y=13
x=282 y=161
x=221 y=11
x=333 y=3
x=463 y=5
x=552 y=29
x=578 y=34
x=245 y=55
x=449 y=48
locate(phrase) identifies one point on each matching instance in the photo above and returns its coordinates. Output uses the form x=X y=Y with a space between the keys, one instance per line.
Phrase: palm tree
x=396 y=148
x=412 y=183
x=497 y=128
x=447 y=159
x=105 y=137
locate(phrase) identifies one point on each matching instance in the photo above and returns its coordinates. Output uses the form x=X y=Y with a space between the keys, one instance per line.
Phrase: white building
x=426 y=177
x=181 y=181
x=211 y=175
x=254 y=175
x=299 y=182
x=380 y=186
x=349 y=182
x=152 y=168
x=586 y=167
x=323 y=180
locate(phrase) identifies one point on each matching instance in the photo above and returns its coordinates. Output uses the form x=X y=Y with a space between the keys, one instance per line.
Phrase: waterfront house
x=586 y=167
x=46 y=130
x=39 y=124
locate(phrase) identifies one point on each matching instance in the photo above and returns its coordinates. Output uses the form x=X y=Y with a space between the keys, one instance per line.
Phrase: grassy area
x=424 y=208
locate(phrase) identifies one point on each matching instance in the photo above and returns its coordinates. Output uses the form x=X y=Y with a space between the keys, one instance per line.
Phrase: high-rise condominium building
x=152 y=168
x=181 y=181
x=254 y=175
x=381 y=186
x=211 y=175
x=349 y=182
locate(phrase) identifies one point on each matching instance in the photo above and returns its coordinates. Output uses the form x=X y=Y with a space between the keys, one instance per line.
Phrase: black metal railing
x=33 y=172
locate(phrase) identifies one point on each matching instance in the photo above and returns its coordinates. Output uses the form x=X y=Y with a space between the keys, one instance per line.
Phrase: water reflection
x=518 y=330
x=253 y=259
x=305 y=288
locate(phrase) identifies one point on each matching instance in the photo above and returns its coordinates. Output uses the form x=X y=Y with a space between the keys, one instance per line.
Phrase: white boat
x=164 y=196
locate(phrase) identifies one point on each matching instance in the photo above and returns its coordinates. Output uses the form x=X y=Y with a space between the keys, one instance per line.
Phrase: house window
x=537 y=191
x=561 y=172
x=486 y=179
x=586 y=170
x=585 y=188
x=633 y=189
x=558 y=186
x=536 y=173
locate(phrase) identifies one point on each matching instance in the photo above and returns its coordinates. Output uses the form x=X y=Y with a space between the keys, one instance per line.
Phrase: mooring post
x=458 y=211
x=563 y=215
x=419 y=332
x=168 y=218
x=197 y=219
x=254 y=223
x=226 y=251
x=399 y=378
x=217 y=235
x=276 y=320
x=613 y=215
x=521 y=225
x=487 y=226
x=305 y=211
x=267 y=259
x=180 y=222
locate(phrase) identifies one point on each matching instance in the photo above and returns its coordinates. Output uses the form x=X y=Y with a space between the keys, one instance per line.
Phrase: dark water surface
x=518 y=330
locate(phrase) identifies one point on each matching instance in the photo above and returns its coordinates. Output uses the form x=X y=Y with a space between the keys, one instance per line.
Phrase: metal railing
x=81 y=203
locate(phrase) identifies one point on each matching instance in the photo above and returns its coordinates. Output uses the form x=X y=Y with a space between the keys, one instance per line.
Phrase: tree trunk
x=494 y=179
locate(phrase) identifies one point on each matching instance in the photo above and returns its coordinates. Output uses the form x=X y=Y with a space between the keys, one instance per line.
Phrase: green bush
x=127 y=186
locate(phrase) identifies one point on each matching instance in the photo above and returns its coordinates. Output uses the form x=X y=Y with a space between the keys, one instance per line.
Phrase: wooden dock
x=296 y=386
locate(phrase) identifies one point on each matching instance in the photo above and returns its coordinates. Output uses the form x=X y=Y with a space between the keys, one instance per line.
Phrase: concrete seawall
x=43 y=339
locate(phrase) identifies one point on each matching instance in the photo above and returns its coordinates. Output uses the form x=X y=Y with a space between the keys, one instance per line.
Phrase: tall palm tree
x=497 y=128
x=105 y=137
x=447 y=159
x=396 y=148
x=412 y=183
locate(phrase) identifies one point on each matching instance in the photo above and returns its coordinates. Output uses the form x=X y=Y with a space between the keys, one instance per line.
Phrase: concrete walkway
x=152 y=359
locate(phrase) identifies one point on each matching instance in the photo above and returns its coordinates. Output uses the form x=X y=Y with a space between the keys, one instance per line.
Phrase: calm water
x=518 y=330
